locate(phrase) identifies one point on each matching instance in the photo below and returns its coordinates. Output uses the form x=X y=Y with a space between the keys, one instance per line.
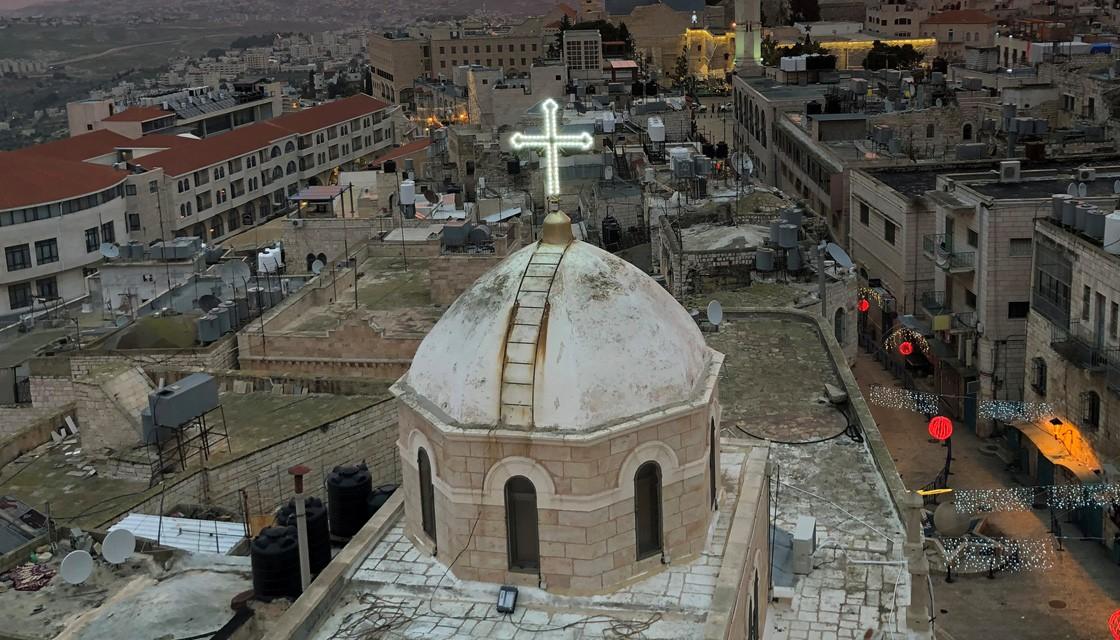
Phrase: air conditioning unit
x=1085 y=174
x=1009 y=171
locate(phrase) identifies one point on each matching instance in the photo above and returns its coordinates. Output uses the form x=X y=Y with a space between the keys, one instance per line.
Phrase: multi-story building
x=956 y=30
x=895 y=18
x=71 y=196
x=397 y=59
x=582 y=53
x=54 y=216
x=1073 y=357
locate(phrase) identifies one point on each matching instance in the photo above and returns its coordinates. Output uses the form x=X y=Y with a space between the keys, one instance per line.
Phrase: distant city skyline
x=12 y=5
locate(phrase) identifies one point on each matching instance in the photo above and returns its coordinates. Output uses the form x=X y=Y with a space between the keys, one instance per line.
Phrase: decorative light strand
x=1061 y=497
x=905 y=334
x=929 y=404
x=551 y=142
x=1004 y=555
x=905 y=399
x=867 y=293
x=1014 y=410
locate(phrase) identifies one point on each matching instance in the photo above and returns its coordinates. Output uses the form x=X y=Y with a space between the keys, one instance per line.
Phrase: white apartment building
x=70 y=196
x=54 y=216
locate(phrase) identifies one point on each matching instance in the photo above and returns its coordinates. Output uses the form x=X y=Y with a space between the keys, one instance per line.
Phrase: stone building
x=525 y=466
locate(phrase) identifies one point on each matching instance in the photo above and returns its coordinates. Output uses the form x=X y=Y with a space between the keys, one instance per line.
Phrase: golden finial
x=557 y=225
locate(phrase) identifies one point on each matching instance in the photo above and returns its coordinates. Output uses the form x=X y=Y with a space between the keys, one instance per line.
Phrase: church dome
x=610 y=344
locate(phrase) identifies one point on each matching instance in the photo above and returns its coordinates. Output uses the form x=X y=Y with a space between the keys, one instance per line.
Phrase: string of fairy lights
x=1006 y=555
x=929 y=404
x=904 y=340
x=1061 y=497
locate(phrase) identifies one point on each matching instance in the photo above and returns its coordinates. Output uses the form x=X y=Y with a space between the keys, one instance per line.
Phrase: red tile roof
x=215 y=149
x=160 y=141
x=44 y=179
x=963 y=16
x=331 y=113
x=404 y=150
x=138 y=114
x=83 y=147
x=207 y=151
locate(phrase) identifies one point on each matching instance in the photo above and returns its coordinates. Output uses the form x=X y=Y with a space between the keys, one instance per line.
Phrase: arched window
x=647 y=509
x=838 y=325
x=277 y=173
x=290 y=147
x=713 y=468
x=310 y=261
x=291 y=167
x=1090 y=409
x=275 y=153
x=427 y=495
x=521 y=525
x=966 y=131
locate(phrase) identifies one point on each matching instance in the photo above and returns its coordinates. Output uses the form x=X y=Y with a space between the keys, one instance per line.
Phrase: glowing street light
x=551 y=142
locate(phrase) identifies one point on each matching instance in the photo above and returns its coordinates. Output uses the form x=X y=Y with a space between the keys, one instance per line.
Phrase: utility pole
x=298 y=472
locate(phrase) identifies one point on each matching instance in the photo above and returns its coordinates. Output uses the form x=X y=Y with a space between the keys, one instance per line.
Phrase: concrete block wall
x=453 y=274
x=366 y=435
x=109 y=404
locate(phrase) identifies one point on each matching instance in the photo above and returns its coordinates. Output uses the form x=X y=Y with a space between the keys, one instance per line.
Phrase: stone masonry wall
x=451 y=275
x=583 y=549
x=109 y=404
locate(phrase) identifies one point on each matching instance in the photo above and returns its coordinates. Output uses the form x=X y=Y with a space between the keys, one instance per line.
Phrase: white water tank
x=1057 y=203
x=1112 y=233
x=656 y=128
x=408 y=192
x=268 y=261
x=1094 y=224
x=1079 y=215
x=1069 y=207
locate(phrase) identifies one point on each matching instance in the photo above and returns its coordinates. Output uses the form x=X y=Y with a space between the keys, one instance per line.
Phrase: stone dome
x=610 y=344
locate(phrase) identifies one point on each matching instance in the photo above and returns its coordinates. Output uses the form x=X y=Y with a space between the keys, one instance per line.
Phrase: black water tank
x=318 y=532
x=379 y=496
x=348 y=489
x=275 y=559
x=513 y=167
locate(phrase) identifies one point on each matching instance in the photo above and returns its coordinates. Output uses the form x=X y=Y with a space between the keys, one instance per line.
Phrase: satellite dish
x=234 y=271
x=1071 y=189
x=715 y=312
x=208 y=302
x=110 y=250
x=839 y=255
x=118 y=545
x=1082 y=189
x=938 y=102
x=317 y=267
x=76 y=567
x=1116 y=187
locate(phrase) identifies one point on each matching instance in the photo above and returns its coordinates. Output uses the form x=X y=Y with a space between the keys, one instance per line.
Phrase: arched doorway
x=647 y=509
x=427 y=495
x=838 y=327
x=523 y=544
x=966 y=131
x=310 y=261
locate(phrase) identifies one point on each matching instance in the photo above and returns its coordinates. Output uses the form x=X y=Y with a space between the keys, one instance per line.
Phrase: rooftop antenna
x=76 y=567
x=118 y=546
x=110 y=250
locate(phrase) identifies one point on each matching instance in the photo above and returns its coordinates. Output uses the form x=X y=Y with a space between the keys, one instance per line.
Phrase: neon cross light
x=551 y=142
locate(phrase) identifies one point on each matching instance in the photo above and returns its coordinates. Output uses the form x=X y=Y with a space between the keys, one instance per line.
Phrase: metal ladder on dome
x=527 y=321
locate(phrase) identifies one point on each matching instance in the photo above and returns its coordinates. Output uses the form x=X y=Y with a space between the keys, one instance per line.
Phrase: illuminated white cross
x=551 y=142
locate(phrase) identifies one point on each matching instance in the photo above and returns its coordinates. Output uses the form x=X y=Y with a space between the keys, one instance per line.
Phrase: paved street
x=1072 y=600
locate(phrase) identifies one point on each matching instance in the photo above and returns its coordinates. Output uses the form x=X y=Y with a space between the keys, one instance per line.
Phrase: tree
x=680 y=70
x=883 y=56
x=624 y=35
x=772 y=53
x=804 y=11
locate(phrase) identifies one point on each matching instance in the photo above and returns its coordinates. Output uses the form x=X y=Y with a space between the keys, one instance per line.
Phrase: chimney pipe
x=298 y=472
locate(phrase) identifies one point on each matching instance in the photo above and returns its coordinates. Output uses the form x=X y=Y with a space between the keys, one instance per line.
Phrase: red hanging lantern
x=863 y=305
x=1114 y=624
x=941 y=428
x=905 y=348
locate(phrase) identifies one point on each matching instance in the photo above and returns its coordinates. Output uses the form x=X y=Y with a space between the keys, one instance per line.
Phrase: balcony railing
x=1080 y=346
x=1057 y=312
x=1113 y=379
x=939 y=247
x=934 y=303
x=964 y=321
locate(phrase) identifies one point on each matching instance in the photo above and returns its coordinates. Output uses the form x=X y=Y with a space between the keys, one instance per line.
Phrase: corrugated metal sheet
x=199 y=536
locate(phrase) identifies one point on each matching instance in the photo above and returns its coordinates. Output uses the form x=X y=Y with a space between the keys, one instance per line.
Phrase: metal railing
x=939 y=246
x=1113 y=374
x=1054 y=311
x=934 y=303
x=1079 y=345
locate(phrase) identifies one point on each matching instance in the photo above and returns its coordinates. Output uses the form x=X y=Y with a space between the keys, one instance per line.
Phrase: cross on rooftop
x=551 y=142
